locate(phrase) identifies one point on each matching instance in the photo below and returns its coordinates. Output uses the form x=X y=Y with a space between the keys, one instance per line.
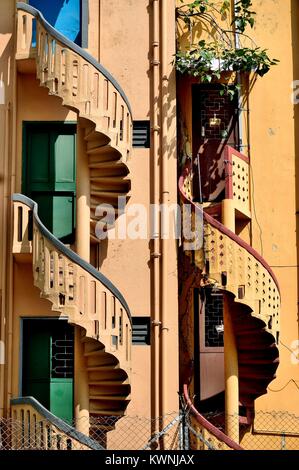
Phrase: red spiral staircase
x=227 y=262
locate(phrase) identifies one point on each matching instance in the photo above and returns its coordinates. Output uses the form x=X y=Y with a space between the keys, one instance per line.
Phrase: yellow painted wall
x=126 y=53
x=273 y=138
x=273 y=130
x=124 y=46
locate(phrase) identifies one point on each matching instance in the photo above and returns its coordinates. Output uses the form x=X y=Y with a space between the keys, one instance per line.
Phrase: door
x=49 y=176
x=214 y=125
x=48 y=365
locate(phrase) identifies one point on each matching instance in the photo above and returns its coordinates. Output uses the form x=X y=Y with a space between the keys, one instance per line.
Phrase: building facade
x=110 y=307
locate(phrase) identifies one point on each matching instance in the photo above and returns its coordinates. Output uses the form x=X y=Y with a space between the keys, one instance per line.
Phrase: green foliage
x=243 y=15
x=200 y=59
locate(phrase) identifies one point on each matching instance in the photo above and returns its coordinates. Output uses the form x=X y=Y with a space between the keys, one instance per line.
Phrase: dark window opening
x=141 y=330
x=213 y=319
x=214 y=126
x=141 y=134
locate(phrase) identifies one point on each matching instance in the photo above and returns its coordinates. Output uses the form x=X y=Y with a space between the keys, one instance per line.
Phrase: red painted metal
x=204 y=422
x=210 y=220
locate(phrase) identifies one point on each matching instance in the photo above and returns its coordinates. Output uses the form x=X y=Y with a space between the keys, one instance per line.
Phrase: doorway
x=48 y=365
x=49 y=174
x=214 y=125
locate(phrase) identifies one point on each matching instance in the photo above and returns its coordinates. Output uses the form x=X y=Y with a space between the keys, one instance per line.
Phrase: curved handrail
x=71 y=254
x=74 y=47
x=57 y=422
x=210 y=220
x=204 y=422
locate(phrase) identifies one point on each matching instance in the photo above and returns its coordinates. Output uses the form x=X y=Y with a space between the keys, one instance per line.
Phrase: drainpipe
x=10 y=285
x=6 y=113
x=155 y=255
x=165 y=363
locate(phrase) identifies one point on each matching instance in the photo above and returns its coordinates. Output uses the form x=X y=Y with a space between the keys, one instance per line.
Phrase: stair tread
x=106 y=412
x=259 y=361
x=113 y=193
x=109 y=164
x=95 y=368
x=109 y=397
x=99 y=352
x=108 y=382
x=101 y=149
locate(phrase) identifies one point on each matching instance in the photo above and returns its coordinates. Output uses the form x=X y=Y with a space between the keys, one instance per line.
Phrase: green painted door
x=49 y=176
x=48 y=365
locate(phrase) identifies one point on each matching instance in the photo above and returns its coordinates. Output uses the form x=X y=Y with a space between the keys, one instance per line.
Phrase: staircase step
x=254 y=345
x=110 y=195
x=118 y=383
x=109 y=397
x=247 y=332
x=261 y=361
x=103 y=368
x=96 y=352
x=104 y=150
x=93 y=138
x=253 y=374
x=106 y=412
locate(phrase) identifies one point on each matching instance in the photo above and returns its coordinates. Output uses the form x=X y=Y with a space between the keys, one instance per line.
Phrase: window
x=141 y=330
x=69 y=17
x=141 y=134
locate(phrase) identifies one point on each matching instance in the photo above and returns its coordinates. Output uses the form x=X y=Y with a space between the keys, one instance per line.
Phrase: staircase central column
x=231 y=375
x=83 y=250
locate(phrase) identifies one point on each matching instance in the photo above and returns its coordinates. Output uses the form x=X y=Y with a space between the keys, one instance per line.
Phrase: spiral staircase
x=88 y=89
x=229 y=264
x=75 y=288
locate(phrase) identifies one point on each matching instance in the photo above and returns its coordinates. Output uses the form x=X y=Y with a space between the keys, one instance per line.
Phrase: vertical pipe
x=4 y=251
x=231 y=375
x=83 y=250
x=155 y=200
x=164 y=200
x=10 y=282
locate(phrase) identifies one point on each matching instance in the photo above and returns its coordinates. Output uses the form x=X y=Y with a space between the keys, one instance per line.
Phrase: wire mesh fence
x=269 y=431
x=103 y=432
x=277 y=430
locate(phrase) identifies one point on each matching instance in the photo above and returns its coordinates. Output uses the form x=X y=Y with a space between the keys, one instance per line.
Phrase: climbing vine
x=225 y=52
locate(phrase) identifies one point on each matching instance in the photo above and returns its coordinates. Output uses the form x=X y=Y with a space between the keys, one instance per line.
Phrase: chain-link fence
x=104 y=432
x=273 y=430
x=269 y=431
